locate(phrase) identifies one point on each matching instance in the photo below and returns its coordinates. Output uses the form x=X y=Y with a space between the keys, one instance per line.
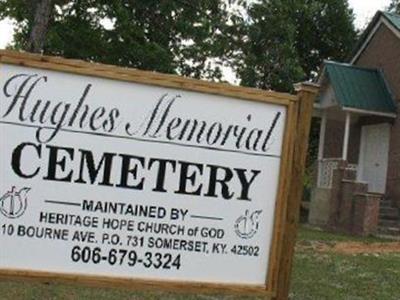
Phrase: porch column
x=322 y=131
x=346 y=136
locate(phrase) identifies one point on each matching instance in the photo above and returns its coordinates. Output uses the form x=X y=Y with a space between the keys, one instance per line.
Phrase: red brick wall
x=334 y=141
x=366 y=214
x=383 y=52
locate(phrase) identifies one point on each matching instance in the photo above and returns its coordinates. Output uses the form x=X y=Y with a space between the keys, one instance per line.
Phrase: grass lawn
x=320 y=272
x=330 y=275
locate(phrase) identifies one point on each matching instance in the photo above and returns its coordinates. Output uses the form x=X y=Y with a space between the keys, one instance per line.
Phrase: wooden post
x=306 y=95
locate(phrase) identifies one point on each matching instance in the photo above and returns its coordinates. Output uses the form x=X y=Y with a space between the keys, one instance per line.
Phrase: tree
x=37 y=36
x=394 y=6
x=174 y=36
x=286 y=41
x=268 y=58
x=270 y=44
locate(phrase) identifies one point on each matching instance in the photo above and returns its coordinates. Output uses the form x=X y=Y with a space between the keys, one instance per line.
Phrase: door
x=374 y=154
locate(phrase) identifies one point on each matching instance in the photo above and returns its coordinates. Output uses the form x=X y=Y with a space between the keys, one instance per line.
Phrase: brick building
x=357 y=186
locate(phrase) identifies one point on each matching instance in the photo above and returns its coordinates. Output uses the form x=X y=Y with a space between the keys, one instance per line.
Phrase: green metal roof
x=360 y=88
x=393 y=18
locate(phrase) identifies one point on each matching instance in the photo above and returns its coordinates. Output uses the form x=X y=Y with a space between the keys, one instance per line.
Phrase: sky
x=363 y=9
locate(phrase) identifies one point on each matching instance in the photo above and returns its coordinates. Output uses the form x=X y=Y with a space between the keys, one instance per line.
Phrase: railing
x=352 y=167
x=325 y=171
x=326 y=167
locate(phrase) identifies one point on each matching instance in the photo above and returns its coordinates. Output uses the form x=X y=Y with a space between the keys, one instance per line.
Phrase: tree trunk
x=40 y=25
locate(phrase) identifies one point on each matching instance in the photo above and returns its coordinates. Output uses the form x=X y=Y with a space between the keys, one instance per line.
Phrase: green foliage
x=285 y=41
x=394 y=6
x=268 y=58
x=176 y=36
x=325 y=30
x=270 y=43
x=311 y=162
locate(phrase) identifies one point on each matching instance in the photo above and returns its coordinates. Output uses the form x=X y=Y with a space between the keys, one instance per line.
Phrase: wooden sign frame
x=299 y=112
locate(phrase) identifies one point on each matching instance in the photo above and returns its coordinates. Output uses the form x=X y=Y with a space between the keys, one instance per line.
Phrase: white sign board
x=119 y=179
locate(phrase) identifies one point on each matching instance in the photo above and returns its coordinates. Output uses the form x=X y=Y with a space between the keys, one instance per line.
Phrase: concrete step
x=393 y=231
x=389 y=213
x=388 y=210
x=389 y=223
x=389 y=218
x=350 y=174
x=394 y=217
x=386 y=203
